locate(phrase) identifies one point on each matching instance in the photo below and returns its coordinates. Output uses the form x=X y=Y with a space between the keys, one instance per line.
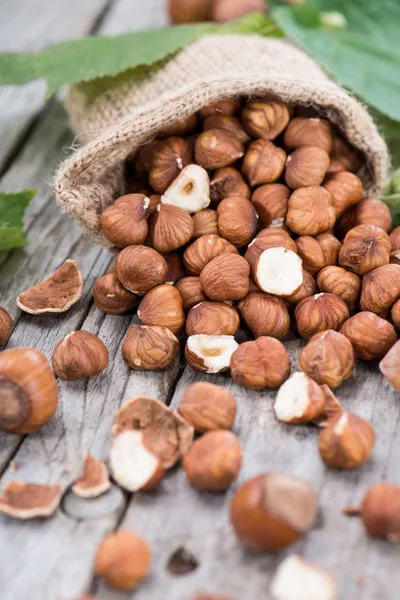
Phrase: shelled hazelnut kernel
x=124 y=223
x=168 y=159
x=268 y=238
x=229 y=106
x=380 y=289
x=370 y=211
x=226 y=277
x=140 y=268
x=203 y=250
x=261 y=364
x=217 y=148
x=346 y=442
x=311 y=253
x=307 y=288
x=278 y=271
x=111 y=297
x=265 y=120
x=342 y=283
x=310 y=211
x=170 y=228
x=308 y=132
x=227 y=123
x=299 y=400
x=306 y=166
x=190 y=191
x=395 y=238
x=237 y=220
x=380 y=511
x=390 y=366
x=5 y=326
x=365 y=248
x=79 y=355
x=320 y=312
x=271 y=202
x=191 y=292
x=263 y=163
x=212 y=318
x=227 y=182
x=395 y=314
x=207 y=406
x=205 y=222
x=328 y=358
x=147 y=348
x=210 y=353
x=162 y=306
x=370 y=335
x=264 y=314
x=345 y=189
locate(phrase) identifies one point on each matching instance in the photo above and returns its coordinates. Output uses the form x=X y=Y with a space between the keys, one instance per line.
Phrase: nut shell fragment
x=29 y=500
x=94 y=480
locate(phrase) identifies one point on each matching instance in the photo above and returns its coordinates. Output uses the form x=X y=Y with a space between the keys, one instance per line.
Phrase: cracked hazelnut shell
x=237 y=220
x=163 y=307
x=212 y=318
x=370 y=336
x=6 y=325
x=261 y=364
x=226 y=277
x=93 y=481
x=124 y=223
x=79 y=355
x=265 y=120
x=25 y=501
x=111 y=297
x=203 y=250
x=139 y=269
x=263 y=163
x=328 y=358
x=346 y=442
x=365 y=247
x=149 y=348
x=207 y=406
x=306 y=167
x=217 y=148
x=318 y=313
x=265 y=314
x=342 y=283
x=170 y=228
x=310 y=211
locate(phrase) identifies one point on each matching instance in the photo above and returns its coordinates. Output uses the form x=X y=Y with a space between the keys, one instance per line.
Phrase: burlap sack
x=116 y=119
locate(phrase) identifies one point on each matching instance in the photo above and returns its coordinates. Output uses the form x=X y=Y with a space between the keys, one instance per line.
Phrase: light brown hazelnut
x=162 y=306
x=328 y=358
x=203 y=250
x=395 y=238
x=261 y=364
x=124 y=223
x=307 y=288
x=149 y=348
x=223 y=11
x=79 y=355
x=380 y=289
x=365 y=248
x=28 y=390
x=123 y=560
x=184 y=126
x=271 y=202
x=175 y=267
x=370 y=336
x=111 y=297
x=332 y=409
x=278 y=271
x=207 y=406
x=345 y=188
x=330 y=246
x=210 y=353
x=310 y=211
x=263 y=163
x=212 y=318
x=346 y=442
x=205 y=222
x=226 y=277
x=268 y=238
x=217 y=148
x=343 y=152
x=299 y=400
x=191 y=291
x=237 y=220
x=226 y=123
x=342 y=283
x=370 y=211
x=308 y=132
x=265 y=315
x=395 y=257
x=265 y=120
x=311 y=253
x=295 y=575
x=229 y=106
x=272 y=511
x=395 y=314
x=190 y=191
x=227 y=182
x=169 y=158
x=380 y=511
x=140 y=268
x=335 y=166
x=213 y=461
x=306 y=167
x=390 y=366
x=319 y=313
x=6 y=325
x=170 y=228
x=25 y=501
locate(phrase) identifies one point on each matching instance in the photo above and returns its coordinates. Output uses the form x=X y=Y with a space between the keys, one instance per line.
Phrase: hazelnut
x=111 y=297
x=212 y=318
x=370 y=336
x=143 y=159
x=205 y=222
x=217 y=148
x=335 y=166
x=328 y=358
x=29 y=500
x=269 y=512
x=265 y=120
x=237 y=220
x=306 y=167
x=263 y=163
x=310 y=211
x=186 y=125
x=79 y=355
x=395 y=238
x=268 y=238
x=370 y=211
x=169 y=158
x=390 y=366
x=308 y=132
x=380 y=511
x=332 y=409
x=210 y=353
x=170 y=228
x=140 y=269
x=163 y=307
x=56 y=294
x=365 y=248
x=6 y=326
x=265 y=315
x=190 y=191
x=207 y=406
x=94 y=480
x=228 y=182
x=345 y=189
x=229 y=106
x=213 y=461
x=295 y=574
x=380 y=289
x=133 y=466
x=330 y=247
x=319 y=313
x=261 y=364
x=343 y=152
x=395 y=257
x=271 y=202
x=342 y=283
x=278 y=271
x=307 y=288
x=226 y=277
x=155 y=200
x=203 y=250
x=346 y=442
x=226 y=10
x=395 y=314
x=191 y=291
x=149 y=348
x=311 y=253
x=123 y=559
x=124 y=223
x=226 y=123
x=28 y=390
x=299 y=400
x=175 y=267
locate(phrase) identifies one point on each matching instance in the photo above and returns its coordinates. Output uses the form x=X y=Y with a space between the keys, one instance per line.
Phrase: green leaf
x=364 y=55
x=98 y=57
x=12 y=209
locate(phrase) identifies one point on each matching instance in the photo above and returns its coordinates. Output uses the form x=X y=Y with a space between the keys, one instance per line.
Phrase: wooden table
x=52 y=559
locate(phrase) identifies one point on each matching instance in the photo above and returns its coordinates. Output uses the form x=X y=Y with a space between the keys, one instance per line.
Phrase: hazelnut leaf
x=12 y=209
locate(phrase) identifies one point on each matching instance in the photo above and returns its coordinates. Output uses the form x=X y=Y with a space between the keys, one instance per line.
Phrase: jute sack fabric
x=122 y=117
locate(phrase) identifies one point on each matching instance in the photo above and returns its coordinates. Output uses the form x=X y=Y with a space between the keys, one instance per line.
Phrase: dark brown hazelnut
x=170 y=228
